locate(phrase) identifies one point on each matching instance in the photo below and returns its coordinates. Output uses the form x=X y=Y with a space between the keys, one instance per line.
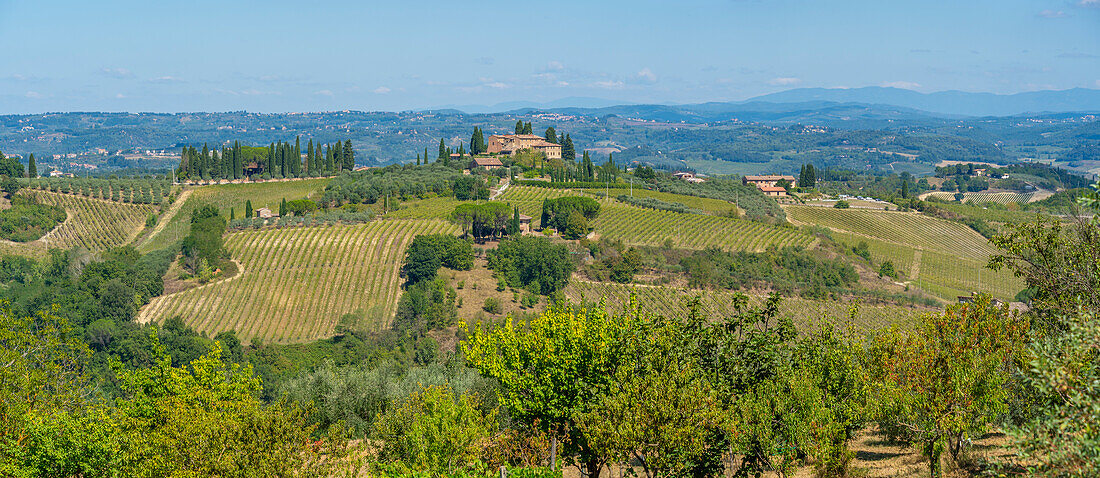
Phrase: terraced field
x=296 y=283
x=642 y=226
x=944 y=258
x=670 y=302
x=93 y=224
x=226 y=197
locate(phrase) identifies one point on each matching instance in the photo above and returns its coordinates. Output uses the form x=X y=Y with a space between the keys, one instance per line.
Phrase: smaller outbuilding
x=487 y=163
x=265 y=213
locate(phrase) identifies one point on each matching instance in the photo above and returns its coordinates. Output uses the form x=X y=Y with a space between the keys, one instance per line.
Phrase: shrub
x=492 y=305
x=433 y=431
x=533 y=263
x=842 y=204
x=429 y=252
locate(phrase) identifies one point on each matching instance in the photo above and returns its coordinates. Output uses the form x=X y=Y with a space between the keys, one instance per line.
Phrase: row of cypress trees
x=277 y=160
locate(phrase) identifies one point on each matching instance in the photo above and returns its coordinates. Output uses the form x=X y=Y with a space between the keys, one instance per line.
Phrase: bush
x=570 y=215
x=660 y=205
x=532 y=263
x=27 y=220
x=429 y=252
x=433 y=431
x=492 y=305
x=842 y=204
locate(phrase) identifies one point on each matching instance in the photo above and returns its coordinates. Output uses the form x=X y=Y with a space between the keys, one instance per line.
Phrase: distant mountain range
x=950 y=102
x=825 y=105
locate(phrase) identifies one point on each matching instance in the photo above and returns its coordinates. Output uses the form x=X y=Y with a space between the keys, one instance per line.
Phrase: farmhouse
x=510 y=143
x=265 y=213
x=773 y=191
x=766 y=180
x=487 y=163
x=524 y=223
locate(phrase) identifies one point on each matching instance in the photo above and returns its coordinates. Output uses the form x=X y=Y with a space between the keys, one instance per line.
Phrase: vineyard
x=948 y=257
x=641 y=226
x=93 y=224
x=127 y=190
x=978 y=198
x=228 y=197
x=715 y=304
x=296 y=283
x=432 y=208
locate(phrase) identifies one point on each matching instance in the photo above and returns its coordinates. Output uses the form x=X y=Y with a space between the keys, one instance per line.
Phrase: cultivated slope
x=296 y=283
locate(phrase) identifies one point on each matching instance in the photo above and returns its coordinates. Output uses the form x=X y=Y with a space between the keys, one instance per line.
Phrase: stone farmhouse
x=767 y=180
x=510 y=143
x=487 y=163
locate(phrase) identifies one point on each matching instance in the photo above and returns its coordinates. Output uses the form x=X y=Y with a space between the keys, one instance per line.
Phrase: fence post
x=554 y=453
x=503 y=471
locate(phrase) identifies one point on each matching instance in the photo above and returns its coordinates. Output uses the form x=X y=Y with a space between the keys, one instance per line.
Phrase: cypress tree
x=248 y=208
x=282 y=208
x=442 y=150
x=425 y=155
x=461 y=150
x=519 y=126
x=474 y=141
x=349 y=156
x=338 y=156
x=32 y=168
x=551 y=135
x=418 y=159
x=568 y=153
x=311 y=168
x=527 y=128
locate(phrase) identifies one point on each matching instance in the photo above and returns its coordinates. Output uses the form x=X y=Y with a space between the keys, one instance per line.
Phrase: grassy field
x=642 y=226
x=944 y=258
x=807 y=314
x=226 y=197
x=93 y=224
x=296 y=283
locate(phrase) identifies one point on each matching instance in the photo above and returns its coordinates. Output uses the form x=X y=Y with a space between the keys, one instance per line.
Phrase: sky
x=291 y=56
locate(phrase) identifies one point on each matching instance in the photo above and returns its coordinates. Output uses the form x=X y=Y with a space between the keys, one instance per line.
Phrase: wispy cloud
x=166 y=79
x=1052 y=14
x=34 y=95
x=324 y=93
x=905 y=85
x=609 y=84
x=1089 y=3
x=555 y=66
x=647 y=75
x=784 y=81
x=497 y=85
x=382 y=90
x=118 y=73
x=120 y=96
x=485 y=60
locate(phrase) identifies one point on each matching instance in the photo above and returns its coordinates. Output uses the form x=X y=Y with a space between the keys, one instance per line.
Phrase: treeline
x=130 y=190
x=654 y=203
x=788 y=270
x=277 y=160
x=402 y=182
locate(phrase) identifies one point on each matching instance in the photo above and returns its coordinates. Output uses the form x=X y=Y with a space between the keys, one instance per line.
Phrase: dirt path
x=914 y=272
x=171 y=213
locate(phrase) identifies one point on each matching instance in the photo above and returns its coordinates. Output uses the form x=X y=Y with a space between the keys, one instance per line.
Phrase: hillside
x=227 y=197
x=295 y=284
x=93 y=224
x=942 y=257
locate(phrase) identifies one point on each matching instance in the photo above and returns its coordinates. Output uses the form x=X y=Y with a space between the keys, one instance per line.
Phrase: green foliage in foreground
x=658 y=204
x=27 y=220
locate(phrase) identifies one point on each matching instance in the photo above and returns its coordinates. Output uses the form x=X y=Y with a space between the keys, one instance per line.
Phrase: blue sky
x=332 y=55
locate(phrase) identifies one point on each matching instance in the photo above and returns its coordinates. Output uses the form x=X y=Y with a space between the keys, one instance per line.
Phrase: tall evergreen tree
x=349 y=156
x=324 y=166
x=32 y=168
x=248 y=208
x=311 y=166
x=442 y=150
x=461 y=150
x=568 y=153
x=418 y=159
x=338 y=155
x=527 y=128
x=519 y=126
x=551 y=135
